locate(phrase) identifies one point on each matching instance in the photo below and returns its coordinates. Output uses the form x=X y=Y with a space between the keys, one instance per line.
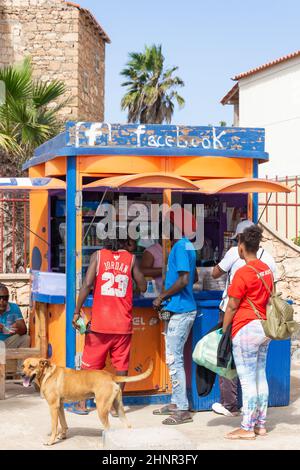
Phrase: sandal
x=178 y=418
x=260 y=432
x=77 y=411
x=238 y=434
x=165 y=410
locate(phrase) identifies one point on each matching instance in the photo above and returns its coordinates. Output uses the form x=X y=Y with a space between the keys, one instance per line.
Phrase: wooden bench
x=40 y=349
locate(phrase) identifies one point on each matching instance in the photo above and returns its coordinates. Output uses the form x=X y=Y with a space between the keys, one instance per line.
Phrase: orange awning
x=175 y=182
x=30 y=184
x=145 y=180
x=241 y=185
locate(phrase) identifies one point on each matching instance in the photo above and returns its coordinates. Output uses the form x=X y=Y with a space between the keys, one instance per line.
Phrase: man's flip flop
x=165 y=410
x=176 y=419
x=77 y=411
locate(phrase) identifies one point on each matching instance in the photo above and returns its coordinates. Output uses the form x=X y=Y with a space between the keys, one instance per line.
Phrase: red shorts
x=98 y=345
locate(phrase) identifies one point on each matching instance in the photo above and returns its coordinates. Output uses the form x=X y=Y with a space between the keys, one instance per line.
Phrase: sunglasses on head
x=4 y=297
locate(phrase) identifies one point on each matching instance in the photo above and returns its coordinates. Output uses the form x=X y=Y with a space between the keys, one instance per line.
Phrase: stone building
x=65 y=42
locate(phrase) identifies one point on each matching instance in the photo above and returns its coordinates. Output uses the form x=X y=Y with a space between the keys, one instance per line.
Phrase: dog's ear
x=44 y=363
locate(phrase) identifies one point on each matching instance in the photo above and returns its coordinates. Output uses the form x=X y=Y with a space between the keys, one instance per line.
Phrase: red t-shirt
x=246 y=283
x=113 y=291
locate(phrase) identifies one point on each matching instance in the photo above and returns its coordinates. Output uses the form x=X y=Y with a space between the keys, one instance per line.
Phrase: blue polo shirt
x=182 y=258
x=8 y=318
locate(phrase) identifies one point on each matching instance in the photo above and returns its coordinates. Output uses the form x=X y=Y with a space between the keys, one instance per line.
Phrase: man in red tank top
x=111 y=274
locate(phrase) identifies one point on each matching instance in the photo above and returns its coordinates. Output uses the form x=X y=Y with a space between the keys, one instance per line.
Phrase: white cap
x=241 y=227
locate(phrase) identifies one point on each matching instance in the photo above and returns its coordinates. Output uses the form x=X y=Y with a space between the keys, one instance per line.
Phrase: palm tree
x=28 y=116
x=151 y=88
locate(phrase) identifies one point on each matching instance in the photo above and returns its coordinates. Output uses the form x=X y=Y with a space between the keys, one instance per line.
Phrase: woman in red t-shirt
x=250 y=344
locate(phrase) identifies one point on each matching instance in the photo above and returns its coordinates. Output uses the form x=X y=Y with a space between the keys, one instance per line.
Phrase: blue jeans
x=179 y=328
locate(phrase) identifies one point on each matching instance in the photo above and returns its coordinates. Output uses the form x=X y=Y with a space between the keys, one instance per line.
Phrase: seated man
x=12 y=326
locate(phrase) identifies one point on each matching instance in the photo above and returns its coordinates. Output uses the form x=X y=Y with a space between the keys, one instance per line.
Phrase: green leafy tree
x=151 y=88
x=296 y=240
x=28 y=116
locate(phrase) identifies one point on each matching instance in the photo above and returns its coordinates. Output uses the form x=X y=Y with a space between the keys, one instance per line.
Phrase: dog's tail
x=135 y=378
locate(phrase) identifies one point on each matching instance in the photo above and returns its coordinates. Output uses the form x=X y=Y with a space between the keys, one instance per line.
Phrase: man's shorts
x=98 y=345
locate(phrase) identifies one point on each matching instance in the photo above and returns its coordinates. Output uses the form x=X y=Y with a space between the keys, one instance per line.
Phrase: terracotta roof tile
x=233 y=91
x=92 y=19
x=267 y=65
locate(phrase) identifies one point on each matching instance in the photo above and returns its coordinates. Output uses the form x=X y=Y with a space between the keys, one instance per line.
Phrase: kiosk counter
x=91 y=165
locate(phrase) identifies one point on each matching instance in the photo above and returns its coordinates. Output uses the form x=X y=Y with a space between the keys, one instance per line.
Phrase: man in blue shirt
x=12 y=326
x=178 y=299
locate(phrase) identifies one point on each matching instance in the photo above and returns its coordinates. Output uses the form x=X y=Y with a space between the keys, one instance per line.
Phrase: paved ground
x=25 y=423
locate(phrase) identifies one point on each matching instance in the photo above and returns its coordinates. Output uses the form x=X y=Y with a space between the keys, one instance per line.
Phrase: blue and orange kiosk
x=91 y=163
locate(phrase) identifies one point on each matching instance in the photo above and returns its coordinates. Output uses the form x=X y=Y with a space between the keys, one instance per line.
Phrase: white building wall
x=271 y=99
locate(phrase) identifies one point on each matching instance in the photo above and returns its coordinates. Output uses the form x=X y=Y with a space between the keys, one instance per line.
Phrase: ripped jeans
x=179 y=328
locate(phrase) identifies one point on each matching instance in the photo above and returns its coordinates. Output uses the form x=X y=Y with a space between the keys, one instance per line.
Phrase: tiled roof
x=232 y=92
x=92 y=20
x=267 y=65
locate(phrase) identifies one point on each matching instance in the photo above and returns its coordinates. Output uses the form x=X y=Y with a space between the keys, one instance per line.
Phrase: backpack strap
x=254 y=308
x=262 y=279
x=266 y=286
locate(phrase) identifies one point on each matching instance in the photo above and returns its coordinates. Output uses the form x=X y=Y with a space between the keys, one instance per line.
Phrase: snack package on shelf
x=206 y=281
x=228 y=242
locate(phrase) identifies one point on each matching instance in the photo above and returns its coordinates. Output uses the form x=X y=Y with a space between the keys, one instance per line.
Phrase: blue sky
x=210 y=41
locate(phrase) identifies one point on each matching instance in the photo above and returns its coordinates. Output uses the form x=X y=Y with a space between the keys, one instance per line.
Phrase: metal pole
x=71 y=260
x=255 y=195
x=276 y=200
x=1 y=238
x=286 y=210
x=296 y=201
x=13 y=237
x=25 y=234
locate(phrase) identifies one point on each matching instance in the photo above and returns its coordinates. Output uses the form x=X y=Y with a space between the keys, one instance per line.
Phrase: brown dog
x=59 y=385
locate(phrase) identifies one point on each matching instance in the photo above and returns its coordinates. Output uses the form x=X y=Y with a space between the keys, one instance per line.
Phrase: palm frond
x=151 y=89
x=29 y=115
x=17 y=81
x=45 y=93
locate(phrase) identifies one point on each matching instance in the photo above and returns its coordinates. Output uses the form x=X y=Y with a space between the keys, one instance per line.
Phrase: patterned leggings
x=250 y=347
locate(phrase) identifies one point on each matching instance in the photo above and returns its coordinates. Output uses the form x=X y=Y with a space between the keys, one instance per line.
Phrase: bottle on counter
x=216 y=208
x=216 y=255
x=89 y=238
x=93 y=234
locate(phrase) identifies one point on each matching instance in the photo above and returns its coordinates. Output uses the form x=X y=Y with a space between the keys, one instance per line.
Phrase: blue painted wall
x=71 y=262
x=255 y=195
x=152 y=139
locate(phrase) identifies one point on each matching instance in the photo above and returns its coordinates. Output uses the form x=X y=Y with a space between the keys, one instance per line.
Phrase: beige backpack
x=280 y=323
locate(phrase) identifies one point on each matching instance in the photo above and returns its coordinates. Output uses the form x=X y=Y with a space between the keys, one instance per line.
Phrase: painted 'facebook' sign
x=101 y=134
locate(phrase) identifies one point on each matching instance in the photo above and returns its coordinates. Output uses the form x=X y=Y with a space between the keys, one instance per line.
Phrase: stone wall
x=18 y=286
x=90 y=74
x=51 y=32
x=287 y=257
